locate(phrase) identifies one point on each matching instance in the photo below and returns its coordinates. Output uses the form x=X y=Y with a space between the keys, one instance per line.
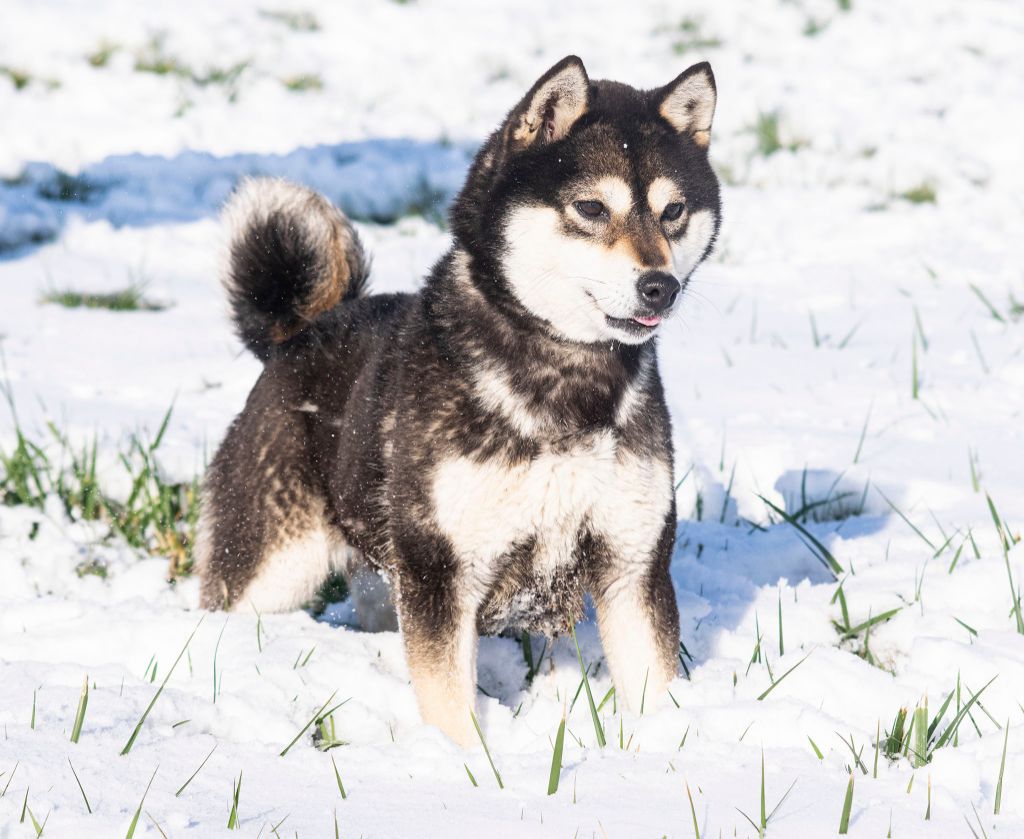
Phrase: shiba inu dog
x=482 y=454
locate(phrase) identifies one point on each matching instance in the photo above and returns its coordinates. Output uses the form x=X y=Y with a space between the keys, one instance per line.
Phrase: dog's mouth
x=637 y=325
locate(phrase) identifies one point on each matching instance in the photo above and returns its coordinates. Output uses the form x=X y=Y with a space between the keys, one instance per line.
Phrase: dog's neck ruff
x=546 y=387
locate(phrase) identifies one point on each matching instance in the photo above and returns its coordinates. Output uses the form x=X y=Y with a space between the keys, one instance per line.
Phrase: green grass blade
x=955 y=724
x=233 y=821
x=992 y=310
x=17 y=763
x=870 y=622
x=138 y=726
x=814 y=746
x=1002 y=769
x=472 y=780
x=598 y=728
x=181 y=789
x=81 y=789
x=822 y=553
x=909 y=523
x=83 y=702
x=693 y=812
x=337 y=777
x=487 y=751
x=764 y=816
x=783 y=676
x=844 y=817
x=556 y=758
x=138 y=812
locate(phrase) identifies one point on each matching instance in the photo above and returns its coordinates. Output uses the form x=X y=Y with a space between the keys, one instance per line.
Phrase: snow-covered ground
x=832 y=301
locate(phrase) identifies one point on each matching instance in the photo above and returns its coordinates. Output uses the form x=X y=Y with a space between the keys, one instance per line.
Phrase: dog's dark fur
x=492 y=462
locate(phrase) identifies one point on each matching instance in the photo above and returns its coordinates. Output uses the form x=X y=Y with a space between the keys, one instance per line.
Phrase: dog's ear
x=548 y=111
x=688 y=102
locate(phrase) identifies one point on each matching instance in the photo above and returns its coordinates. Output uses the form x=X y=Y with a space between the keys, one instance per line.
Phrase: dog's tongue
x=651 y=321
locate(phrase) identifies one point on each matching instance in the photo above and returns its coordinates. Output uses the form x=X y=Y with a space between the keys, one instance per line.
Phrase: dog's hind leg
x=265 y=539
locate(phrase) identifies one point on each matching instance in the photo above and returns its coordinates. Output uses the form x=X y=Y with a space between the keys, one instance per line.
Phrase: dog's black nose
x=658 y=290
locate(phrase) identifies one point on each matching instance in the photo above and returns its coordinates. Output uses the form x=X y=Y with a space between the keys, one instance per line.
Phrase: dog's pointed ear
x=688 y=102
x=552 y=106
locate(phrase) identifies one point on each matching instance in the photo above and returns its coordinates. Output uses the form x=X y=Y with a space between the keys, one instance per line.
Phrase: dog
x=480 y=455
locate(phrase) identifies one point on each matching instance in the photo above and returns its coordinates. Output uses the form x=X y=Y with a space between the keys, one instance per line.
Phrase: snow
x=796 y=337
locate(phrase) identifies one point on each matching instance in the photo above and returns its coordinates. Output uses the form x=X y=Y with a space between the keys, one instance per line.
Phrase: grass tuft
x=128 y=299
x=767 y=135
x=923 y=193
x=159 y=515
x=317 y=716
x=297 y=21
x=303 y=82
x=100 y=57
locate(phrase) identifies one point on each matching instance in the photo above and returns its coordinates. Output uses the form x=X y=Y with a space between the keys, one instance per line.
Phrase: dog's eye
x=590 y=209
x=672 y=211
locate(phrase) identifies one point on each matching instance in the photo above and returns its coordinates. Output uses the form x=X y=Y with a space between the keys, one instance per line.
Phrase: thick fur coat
x=481 y=455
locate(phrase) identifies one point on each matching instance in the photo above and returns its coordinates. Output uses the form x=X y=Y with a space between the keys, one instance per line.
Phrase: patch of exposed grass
x=814 y=27
x=129 y=299
x=766 y=130
x=333 y=590
x=22 y=78
x=689 y=38
x=100 y=57
x=919 y=740
x=159 y=515
x=155 y=59
x=923 y=193
x=303 y=82
x=19 y=78
x=297 y=21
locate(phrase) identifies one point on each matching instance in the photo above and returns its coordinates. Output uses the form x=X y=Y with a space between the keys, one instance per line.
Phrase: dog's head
x=594 y=202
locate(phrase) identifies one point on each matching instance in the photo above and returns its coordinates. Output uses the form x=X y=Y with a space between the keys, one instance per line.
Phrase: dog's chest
x=489 y=510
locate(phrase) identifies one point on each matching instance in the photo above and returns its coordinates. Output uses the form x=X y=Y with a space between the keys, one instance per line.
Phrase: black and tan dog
x=488 y=450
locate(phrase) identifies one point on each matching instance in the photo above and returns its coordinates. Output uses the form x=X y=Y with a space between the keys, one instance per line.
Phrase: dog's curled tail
x=292 y=255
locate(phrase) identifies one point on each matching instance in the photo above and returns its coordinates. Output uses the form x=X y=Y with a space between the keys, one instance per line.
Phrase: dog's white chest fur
x=485 y=508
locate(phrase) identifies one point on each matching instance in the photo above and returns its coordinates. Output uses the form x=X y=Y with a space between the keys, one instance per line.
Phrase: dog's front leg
x=439 y=631
x=639 y=624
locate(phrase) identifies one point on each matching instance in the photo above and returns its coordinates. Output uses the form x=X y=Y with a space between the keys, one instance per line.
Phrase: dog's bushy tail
x=292 y=255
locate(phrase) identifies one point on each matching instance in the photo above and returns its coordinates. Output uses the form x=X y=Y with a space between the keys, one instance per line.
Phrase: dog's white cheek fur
x=551 y=274
x=687 y=251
